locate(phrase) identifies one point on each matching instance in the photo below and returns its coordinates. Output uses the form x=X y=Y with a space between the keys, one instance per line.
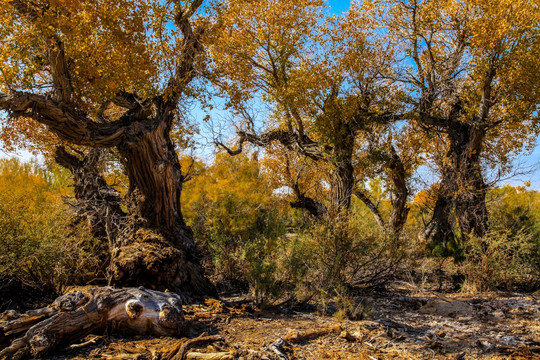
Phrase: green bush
x=345 y=253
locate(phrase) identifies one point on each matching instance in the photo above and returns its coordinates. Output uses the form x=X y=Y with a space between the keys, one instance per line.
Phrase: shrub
x=502 y=259
x=346 y=253
x=509 y=256
x=40 y=249
x=233 y=213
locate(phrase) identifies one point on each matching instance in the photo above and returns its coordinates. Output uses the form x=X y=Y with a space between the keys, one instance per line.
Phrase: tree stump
x=130 y=311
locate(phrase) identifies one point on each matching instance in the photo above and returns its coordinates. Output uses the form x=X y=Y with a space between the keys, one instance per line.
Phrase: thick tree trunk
x=341 y=187
x=400 y=210
x=342 y=178
x=440 y=229
x=462 y=193
x=151 y=245
x=157 y=249
x=471 y=209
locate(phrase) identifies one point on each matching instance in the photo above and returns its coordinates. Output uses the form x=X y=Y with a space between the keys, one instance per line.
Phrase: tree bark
x=471 y=209
x=400 y=210
x=157 y=248
x=341 y=187
x=462 y=192
x=73 y=316
x=342 y=179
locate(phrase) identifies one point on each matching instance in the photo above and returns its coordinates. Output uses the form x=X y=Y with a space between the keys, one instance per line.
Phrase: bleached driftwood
x=75 y=315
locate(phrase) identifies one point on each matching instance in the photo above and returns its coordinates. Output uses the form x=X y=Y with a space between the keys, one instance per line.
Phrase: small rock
x=485 y=345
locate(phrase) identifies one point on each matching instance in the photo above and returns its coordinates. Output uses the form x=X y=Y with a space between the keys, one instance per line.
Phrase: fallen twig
x=86 y=343
x=201 y=340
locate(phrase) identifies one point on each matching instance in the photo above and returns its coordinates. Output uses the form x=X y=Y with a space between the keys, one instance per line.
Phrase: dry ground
x=404 y=326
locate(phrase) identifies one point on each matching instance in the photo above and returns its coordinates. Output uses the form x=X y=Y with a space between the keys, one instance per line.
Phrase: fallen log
x=295 y=336
x=71 y=317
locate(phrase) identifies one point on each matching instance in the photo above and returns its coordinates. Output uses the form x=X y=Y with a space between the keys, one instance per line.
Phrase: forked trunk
x=400 y=193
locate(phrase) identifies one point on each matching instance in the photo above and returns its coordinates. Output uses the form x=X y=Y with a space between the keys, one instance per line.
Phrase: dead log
x=294 y=336
x=75 y=315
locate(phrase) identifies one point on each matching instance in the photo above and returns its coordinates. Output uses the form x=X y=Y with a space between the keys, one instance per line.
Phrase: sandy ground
x=395 y=326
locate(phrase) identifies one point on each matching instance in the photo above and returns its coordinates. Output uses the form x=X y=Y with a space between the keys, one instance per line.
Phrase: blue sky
x=339 y=6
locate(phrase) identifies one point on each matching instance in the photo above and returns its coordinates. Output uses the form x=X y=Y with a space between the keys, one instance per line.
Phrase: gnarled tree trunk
x=341 y=179
x=461 y=199
x=157 y=250
x=341 y=186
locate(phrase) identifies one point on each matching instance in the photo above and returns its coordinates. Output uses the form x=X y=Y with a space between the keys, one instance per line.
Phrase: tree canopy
x=336 y=102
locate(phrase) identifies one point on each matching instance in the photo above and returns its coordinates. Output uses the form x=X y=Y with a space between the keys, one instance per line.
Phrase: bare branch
x=185 y=69
x=371 y=206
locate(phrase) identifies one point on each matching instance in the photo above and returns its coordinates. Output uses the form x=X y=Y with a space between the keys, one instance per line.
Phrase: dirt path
x=421 y=326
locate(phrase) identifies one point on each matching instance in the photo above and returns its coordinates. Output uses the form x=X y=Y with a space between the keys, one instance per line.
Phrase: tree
x=469 y=67
x=392 y=156
x=67 y=65
x=320 y=77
